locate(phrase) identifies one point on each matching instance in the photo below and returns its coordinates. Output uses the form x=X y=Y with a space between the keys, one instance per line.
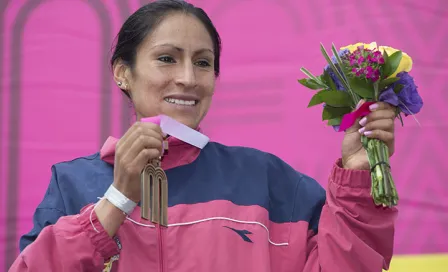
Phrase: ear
x=122 y=76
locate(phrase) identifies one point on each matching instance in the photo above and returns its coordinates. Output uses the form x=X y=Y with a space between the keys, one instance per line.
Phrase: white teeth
x=180 y=102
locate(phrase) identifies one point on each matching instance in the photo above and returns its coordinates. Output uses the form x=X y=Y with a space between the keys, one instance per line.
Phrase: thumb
x=362 y=101
x=356 y=126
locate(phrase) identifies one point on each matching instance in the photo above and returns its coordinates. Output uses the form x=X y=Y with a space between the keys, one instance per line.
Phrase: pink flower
x=360 y=60
x=359 y=72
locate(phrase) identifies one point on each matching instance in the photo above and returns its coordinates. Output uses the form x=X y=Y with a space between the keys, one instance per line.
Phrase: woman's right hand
x=141 y=143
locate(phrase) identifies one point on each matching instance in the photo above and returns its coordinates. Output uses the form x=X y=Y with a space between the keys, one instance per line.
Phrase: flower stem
x=383 y=188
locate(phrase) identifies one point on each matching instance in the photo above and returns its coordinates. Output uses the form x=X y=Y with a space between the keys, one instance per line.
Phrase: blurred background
x=58 y=100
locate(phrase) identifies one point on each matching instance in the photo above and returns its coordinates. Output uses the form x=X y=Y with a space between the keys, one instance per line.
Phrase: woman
x=230 y=208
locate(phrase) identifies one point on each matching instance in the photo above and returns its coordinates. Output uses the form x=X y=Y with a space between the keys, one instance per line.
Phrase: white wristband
x=119 y=200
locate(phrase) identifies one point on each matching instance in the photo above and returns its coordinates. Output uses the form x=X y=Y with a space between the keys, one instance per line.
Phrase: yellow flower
x=353 y=47
x=405 y=63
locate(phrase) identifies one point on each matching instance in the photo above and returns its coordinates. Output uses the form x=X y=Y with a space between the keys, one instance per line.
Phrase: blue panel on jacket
x=241 y=175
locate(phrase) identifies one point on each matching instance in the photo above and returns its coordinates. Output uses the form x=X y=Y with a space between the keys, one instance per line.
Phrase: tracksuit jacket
x=230 y=209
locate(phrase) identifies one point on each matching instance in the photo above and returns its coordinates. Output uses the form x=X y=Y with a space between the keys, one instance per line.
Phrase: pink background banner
x=58 y=100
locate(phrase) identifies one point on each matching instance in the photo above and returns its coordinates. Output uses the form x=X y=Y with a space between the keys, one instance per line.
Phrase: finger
x=146 y=128
x=362 y=101
x=144 y=156
x=123 y=142
x=356 y=125
x=137 y=129
x=381 y=106
x=133 y=156
x=138 y=162
x=151 y=127
x=141 y=138
x=145 y=142
x=377 y=115
x=383 y=124
x=385 y=136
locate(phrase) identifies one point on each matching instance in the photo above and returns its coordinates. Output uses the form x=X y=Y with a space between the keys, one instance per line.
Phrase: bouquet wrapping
x=370 y=73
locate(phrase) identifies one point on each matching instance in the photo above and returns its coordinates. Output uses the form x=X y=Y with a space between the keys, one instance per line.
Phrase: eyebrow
x=181 y=49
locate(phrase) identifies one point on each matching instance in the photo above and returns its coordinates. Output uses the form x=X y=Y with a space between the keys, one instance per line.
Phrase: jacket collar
x=179 y=152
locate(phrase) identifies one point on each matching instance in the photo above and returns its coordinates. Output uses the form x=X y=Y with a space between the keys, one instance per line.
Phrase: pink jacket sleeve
x=77 y=241
x=353 y=233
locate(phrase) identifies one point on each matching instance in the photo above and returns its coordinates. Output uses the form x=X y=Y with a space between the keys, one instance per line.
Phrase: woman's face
x=174 y=71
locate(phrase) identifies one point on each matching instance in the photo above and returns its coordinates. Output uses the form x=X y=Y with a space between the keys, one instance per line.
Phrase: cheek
x=209 y=87
x=148 y=96
x=208 y=96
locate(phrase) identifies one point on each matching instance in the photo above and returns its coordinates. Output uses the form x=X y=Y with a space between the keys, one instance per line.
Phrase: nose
x=186 y=76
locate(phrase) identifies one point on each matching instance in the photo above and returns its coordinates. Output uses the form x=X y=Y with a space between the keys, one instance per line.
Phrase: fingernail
x=367 y=133
x=361 y=130
x=359 y=103
x=363 y=121
x=373 y=107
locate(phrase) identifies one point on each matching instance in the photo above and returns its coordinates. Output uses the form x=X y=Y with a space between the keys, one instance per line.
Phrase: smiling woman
x=168 y=66
x=229 y=208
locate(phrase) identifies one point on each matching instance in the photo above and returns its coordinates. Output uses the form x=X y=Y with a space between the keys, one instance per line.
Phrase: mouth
x=182 y=102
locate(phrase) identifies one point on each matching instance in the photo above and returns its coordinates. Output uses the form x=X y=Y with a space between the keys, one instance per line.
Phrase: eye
x=203 y=63
x=166 y=59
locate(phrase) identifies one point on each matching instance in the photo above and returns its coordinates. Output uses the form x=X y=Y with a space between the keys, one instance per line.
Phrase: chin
x=189 y=122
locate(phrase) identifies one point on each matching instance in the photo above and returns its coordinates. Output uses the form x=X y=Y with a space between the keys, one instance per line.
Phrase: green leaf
x=391 y=64
x=333 y=67
x=308 y=73
x=383 y=66
x=386 y=57
x=311 y=83
x=316 y=99
x=386 y=82
x=344 y=68
x=336 y=54
x=328 y=81
x=362 y=87
x=333 y=112
x=336 y=98
x=335 y=121
x=398 y=88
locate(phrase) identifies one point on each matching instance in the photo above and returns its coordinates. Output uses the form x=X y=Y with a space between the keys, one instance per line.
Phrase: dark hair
x=144 y=20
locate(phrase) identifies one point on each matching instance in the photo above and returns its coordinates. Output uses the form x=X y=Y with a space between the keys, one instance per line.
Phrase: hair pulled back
x=142 y=22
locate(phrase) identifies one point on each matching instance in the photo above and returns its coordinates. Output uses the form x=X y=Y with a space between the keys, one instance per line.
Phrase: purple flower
x=341 y=53
x=336 y=80
x=389 y=96
x=334 y=77
x=408 y=99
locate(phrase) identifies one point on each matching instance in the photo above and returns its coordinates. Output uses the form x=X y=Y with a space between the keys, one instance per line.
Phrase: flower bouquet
x=370 y=73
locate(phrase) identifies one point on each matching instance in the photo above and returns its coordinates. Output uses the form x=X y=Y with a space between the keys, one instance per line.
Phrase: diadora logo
x=242 y=233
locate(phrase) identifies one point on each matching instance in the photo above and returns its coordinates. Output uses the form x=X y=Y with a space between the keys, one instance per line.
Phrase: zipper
x=160 y=234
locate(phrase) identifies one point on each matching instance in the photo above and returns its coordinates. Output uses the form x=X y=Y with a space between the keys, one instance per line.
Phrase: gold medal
x=154 y=190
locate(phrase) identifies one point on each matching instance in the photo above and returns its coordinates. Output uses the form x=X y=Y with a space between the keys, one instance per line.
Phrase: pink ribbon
x=350 y=118
x=155 y=120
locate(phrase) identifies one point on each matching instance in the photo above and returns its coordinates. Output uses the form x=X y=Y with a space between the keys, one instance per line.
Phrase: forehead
x=182 y=30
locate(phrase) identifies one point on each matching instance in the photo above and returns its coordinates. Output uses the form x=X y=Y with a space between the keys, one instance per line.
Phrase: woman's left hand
x=379 y=124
